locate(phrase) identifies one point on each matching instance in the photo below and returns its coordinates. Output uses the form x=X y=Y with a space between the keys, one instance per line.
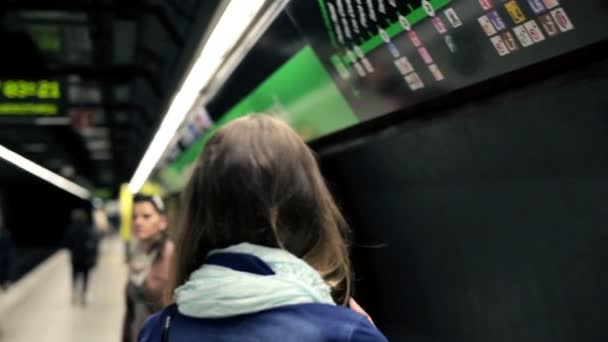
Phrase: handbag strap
x=166 y=327
x=170 y=312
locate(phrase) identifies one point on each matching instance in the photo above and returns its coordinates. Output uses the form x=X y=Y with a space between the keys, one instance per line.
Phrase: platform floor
x=47 y=313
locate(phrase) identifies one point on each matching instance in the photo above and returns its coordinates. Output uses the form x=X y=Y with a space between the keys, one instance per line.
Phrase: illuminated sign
x=30 y=97
x=18 y=108
x=21 y=89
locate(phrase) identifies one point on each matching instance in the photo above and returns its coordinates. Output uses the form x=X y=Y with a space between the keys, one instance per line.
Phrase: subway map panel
x=387 y=55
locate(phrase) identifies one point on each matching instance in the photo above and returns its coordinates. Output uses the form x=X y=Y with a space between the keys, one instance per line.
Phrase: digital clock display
x=30 y=97
x=22 y=89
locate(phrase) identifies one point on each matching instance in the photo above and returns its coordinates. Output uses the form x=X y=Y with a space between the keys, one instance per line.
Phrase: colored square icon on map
x=486 y=4
x=414 y=81
x=426 y=56
x=537 y=6
x=549 y=25
x=404 y=66
x=496 y=20
x=515 y=12
x=437 y=74
x=414 y=38
x=534 y=31
x=439 y=26
x=453 y=17
x=366 y=63
x=522 y=35
x=500 y=45
x=486 y=25
x=393 y=49
x=551 y=3
x=562 y=20
x=510 y=41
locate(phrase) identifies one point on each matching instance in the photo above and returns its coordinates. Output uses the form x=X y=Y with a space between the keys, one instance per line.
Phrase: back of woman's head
x=258 y=182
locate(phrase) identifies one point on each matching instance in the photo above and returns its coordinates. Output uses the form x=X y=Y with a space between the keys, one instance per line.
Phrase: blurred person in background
x=102 y=224
x=6 y=253
x=6 y=257
x=100 y=217
x=262 y=252
x=149 y=257
x=82 y=241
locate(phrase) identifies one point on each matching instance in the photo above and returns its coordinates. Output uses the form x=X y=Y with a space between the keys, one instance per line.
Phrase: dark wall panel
x=35 y=211
x=487 y=222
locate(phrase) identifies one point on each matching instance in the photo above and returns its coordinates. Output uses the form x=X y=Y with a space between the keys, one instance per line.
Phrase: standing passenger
x=148 y=259
x=6 y=257
x=261 y=254
x=82 y=241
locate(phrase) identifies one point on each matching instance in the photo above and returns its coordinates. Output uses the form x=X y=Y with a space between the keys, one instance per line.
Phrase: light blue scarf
x=215 y=291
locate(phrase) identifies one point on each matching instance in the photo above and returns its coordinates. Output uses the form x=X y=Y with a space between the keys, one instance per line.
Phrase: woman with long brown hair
x=261 y=252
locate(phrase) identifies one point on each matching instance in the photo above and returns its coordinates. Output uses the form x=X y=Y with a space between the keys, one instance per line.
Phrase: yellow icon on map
x=515 y=12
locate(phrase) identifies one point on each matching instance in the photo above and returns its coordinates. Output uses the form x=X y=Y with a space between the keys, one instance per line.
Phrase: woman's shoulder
x=346 y=324
x=152 y=328
x=326 y=322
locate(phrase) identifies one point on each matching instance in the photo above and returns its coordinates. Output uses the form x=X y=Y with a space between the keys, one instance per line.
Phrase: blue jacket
x=294 y=323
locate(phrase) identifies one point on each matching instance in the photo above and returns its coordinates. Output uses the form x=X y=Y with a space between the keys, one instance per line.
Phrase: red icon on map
x=562 y=20
x=509 y=41
x=414 y=38
x=522 y=34
x=500 y=45
x=426 y=56
x=548 y=24
x=551 y=3
x=535 y=33
x=439 y=26
x=486 y=4
x=437 y=74
x=414 y=81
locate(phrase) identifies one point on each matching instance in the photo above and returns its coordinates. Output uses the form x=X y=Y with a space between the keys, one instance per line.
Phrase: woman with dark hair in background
x=149 y=256
x=6 y=258
x=261 y=253
x=6 y=253
x=82 y=242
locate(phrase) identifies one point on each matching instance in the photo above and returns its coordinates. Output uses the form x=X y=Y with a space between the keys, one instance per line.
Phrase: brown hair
x=258 y=182
x=155 y=200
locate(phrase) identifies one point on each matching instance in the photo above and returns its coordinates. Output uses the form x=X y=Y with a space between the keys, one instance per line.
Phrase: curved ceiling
x=108 y=67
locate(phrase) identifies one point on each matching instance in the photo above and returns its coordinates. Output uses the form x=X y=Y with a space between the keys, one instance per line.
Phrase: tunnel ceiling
x=107 y=67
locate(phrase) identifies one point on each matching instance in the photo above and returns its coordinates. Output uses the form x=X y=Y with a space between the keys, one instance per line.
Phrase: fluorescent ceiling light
x=232 y=25
x=248 y=40
x=43 y=173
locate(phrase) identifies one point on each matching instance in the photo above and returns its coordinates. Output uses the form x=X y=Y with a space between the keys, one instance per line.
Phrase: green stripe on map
x=395 y=28
x=301 y=92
